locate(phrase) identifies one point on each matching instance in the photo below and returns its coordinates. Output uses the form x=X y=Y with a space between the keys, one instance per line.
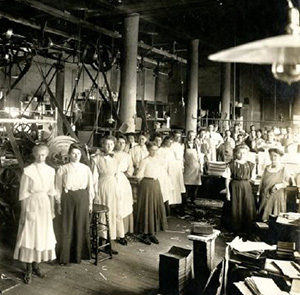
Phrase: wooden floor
x=133 y=271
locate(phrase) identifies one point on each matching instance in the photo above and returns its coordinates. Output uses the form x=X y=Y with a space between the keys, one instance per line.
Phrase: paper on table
x=271 y=266
x=290 y=218
x=243 y=288
x=266 y=286
x=238 y=244
x=295 y=290
x=288 y=268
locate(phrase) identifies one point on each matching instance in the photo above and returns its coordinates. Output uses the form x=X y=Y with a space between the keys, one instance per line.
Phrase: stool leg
x=96 y=223
x=108 y=235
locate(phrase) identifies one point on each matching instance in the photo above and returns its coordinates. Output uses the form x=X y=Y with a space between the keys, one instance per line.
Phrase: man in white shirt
x=215 y=140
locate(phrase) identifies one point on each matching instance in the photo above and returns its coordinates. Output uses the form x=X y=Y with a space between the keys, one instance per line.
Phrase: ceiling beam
x=73 y=19
x=162 y=52
x=34 y=25
x=68 y=17
x=159 y=4
x=138 y=8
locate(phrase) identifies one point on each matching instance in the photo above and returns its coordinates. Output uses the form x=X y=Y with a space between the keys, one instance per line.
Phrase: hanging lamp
x=282 y=52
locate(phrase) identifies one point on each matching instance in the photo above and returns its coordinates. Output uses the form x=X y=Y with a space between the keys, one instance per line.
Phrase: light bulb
x=288 y=73
x=287 y=65
x=282 y=52
x=110 y=120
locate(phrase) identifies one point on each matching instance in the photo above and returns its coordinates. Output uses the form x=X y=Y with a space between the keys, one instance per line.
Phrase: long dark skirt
x=240 y=211
x=151 y=212
x=75 y=227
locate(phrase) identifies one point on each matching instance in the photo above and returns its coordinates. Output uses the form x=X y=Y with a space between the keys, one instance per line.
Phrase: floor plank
x=133 y=271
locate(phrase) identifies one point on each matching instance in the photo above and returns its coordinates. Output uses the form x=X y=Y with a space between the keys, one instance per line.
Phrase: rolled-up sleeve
x=59 y=184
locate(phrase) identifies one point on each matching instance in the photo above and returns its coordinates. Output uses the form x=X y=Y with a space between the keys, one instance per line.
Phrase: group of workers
x=168 y=172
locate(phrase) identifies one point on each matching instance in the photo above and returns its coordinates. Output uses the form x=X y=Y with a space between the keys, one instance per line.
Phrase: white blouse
x=74 y=176
x=150 y=167
x=138 y=153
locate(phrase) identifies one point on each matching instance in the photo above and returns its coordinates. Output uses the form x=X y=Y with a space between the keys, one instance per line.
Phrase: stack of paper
x=288 y=268
x=241 y=246
x=285 y=249
x=258 y=286
x=216 y=168
x=175 y=270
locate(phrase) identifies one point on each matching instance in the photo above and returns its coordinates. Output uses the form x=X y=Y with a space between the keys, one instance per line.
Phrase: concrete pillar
x=59 y=94
x=192 y=86
x=296 y=114
x=128 y=71
x=225 y=92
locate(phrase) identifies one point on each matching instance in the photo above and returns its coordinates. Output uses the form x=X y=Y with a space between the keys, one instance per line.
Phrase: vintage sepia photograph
x=150 y=147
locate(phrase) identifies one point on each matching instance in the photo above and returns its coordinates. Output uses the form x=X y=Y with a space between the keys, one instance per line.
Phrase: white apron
x=192 y=167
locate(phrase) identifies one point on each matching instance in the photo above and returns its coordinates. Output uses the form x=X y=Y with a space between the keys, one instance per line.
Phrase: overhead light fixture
x=282 y=52
x=110 y=120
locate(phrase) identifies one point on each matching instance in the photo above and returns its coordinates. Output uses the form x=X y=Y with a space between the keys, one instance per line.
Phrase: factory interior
x=199 y=99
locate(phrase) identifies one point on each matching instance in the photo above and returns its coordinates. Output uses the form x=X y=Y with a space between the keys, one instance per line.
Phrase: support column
x=192 y=86
x=128 y=71
x=59 y=94
x=296 y=113
x=225 y=92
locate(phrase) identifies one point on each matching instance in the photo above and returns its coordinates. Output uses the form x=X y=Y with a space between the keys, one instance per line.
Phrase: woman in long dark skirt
x=240 y=202
x=151 y=214
x=75 y=194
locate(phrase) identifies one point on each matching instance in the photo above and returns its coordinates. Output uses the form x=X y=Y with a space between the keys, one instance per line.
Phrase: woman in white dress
x=75 y=194
x=36 y=240
x=174 y=170
x=107 y=191
x=125 y=168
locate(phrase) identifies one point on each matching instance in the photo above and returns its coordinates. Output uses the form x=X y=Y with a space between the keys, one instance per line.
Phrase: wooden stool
x=97 y=227
x=204 y=254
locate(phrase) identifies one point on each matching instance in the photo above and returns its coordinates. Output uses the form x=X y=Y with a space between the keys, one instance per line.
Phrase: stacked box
x=175 y=270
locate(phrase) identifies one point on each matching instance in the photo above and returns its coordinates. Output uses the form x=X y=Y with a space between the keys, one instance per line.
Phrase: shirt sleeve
x=24 y=191
x=253 y=173
x=95 y=175
x=90 y=186
x=52 y=190
x=227 y=172
x=141 y=171
x=130 y=167
x=59 y=184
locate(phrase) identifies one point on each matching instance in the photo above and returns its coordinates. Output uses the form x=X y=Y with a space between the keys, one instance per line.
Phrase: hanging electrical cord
x=182 y=103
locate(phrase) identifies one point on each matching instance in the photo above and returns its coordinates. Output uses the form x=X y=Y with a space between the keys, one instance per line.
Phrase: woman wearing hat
x=272 y=187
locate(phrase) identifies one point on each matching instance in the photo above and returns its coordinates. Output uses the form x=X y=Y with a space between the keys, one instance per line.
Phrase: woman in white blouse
x=75 y=194
x=139 y=151
x=151 y=213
